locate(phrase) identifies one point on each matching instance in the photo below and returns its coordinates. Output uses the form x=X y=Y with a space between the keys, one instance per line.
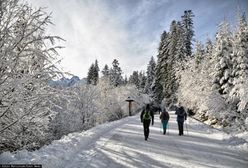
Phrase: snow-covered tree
x=105 y=71
x=96 y=72
x=223 y=56
x=209 y=49
x=181 y=53
x=150 y=76
x=93 y=74
x=187 y=24
x=199 y=53
x=27 y=57
x=160 y=69
x=225 y=63
x=125 y=80
x=85 y=106
x=170 y=64
x=142 y=81
x=240 y=68
x=134 y=78
x=90 y=76
x=115 y=74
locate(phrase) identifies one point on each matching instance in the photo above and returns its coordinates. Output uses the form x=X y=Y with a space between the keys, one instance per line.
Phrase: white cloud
x=92 y=32
x=127 y=30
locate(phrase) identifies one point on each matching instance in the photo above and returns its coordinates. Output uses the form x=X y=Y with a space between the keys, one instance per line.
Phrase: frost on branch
x=27 y=58
x=85 y=106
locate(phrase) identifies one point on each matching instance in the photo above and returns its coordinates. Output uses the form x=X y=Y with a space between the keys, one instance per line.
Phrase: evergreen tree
x=105 y=71
x=150 y=76
x=240 y=65
x=142 y=81
x=209 y=49
x=90 y=76
x=207 y=60
x=115 y=74
x=95 y=73
x=169 y=64
x=187 y=24
x=172 y=52
x=199 y=53
x=180 y=54
x=125 y=80
x=157 y=88
x=134 y=79
x=96 y=66
x=222 y=56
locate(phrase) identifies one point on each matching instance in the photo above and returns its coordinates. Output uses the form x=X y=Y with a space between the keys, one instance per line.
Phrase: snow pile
x=235 y=141
x=60 y=151
x=239 y=141
x=121 y=144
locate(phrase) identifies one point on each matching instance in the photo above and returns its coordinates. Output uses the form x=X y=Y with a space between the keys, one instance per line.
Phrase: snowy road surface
x=121 y=144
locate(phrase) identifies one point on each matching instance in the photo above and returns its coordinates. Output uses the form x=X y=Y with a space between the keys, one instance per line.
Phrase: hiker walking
x=181 y=117
x=146 y=117
x=164 y=117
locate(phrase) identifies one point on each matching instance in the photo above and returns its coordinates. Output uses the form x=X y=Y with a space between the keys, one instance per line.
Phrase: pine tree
x=134 y=79
x=206 y=60
x=157 y=88
x=95 y=76
x=209 y=49
x=142 y=81
x=125 y=80
x=115 y=74
x=150 y=76
x=90 y=76
x=170 y=82
x=222 y=56
x=187 y=24
x=180 y=54
x=240 y=65
x=105 y=71
x=199 y=53
x=172 y=52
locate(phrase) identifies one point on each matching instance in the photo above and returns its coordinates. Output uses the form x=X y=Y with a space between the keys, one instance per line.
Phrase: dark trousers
x=146 y=125
x=180 y=128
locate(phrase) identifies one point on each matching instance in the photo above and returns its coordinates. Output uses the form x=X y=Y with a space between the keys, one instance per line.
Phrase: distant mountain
x=66 y=82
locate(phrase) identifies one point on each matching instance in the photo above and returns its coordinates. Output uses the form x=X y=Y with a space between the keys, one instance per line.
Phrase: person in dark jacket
x=181 y=117
x=164 y=117
x=146 y=117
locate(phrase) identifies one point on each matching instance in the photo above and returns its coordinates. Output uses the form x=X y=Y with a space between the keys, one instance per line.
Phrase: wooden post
x=130 y=107
x=129 y=100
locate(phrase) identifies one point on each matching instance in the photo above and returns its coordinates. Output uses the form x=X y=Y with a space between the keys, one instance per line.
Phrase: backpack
x=147 y=115
x=164 y=115
x=181 y=112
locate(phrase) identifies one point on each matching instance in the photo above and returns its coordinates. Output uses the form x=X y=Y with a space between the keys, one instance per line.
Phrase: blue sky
x=126 y=30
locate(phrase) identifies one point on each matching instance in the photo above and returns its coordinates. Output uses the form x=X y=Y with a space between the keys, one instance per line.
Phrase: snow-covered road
x=121 y=144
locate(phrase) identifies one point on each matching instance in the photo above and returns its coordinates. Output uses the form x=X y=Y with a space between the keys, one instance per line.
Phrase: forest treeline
x=211 y=80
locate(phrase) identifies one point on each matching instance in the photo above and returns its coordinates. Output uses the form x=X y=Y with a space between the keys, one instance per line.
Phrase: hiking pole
x=168 y=128
x=161 y=127
x=187 y=128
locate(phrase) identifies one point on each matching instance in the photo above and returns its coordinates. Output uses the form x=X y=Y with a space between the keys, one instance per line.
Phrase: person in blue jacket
x=181 y=117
